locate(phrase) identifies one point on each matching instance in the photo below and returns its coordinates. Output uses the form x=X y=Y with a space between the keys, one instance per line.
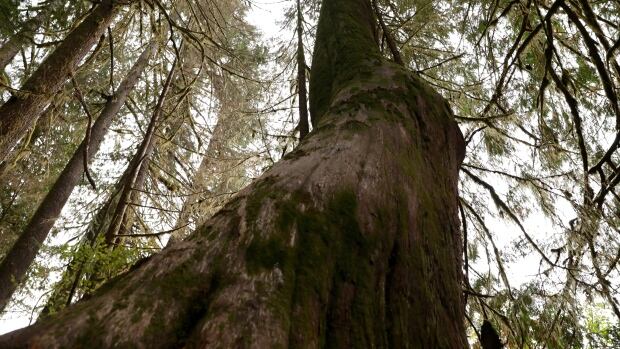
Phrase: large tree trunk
x=20 y=112
x=351 y=241
x=22 y=254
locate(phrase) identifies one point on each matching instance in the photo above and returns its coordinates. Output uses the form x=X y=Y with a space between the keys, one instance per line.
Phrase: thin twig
x=152 y=234
x=111 y=40
x=80 y=97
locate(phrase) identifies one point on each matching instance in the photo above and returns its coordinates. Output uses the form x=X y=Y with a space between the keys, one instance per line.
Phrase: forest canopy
x=130 y=128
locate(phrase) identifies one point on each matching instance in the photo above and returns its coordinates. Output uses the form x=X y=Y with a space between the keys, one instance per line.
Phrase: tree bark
x=350 y=241
x=16 y=263
x=21 y=111
x=304 y=123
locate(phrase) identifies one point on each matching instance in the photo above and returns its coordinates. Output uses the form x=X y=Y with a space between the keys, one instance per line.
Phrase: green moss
x=263 y=190
x=90 y=336
x=136 y=316
x=197 y=291
x=354 y=125
x=338 y=59
x=116 y=282
x=198 y=307
x=331 y=251
x=266 y=253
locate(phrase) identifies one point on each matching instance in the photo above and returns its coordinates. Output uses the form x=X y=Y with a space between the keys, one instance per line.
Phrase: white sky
x=266 y=16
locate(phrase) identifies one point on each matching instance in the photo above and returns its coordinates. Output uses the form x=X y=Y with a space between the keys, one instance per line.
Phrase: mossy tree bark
x=352 y=240
x=22 y=110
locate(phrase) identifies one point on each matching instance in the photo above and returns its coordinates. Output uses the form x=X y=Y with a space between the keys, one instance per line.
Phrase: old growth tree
x=351 y=240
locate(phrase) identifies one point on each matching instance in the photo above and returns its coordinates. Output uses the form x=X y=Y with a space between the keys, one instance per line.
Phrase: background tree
x=172 y=138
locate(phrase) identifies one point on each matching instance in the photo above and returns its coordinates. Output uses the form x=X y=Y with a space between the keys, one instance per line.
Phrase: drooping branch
x=574 y=109
x=80 y=97
x=503 y=206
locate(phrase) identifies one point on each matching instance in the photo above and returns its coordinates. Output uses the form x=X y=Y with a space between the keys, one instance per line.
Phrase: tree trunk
x=21 y=111
x=226 y=129
x=304 y=123
x=22 y=254
x=144 y=152
x=66 y=289
x=116 y=218
x=198 y=189
x=133 y=180
x=351 y=241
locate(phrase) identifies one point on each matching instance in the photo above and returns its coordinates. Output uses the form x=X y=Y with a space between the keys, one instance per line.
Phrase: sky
x=266 y=16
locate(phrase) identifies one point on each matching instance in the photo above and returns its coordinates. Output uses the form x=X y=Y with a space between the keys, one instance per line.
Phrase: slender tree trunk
x=21 y=111
x=198 y=188
x=131 y=183
x=11 y=48
x=66 y=289
x=144 y=151
x=304 y=123
x=15 y=265
x=219 y=143
x=351 y=241
x=389 y=38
